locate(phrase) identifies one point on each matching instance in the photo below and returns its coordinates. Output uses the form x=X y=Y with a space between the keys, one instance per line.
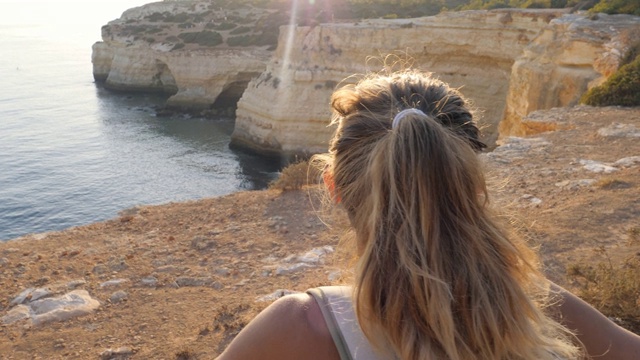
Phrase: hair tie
x=403 y=113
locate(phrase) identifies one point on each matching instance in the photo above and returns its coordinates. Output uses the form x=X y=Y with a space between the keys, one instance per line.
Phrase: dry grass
x=229 y=320
x=612 y=289
x=612 y=183
x=634 y=234
x=297 y=175
x=186 y=354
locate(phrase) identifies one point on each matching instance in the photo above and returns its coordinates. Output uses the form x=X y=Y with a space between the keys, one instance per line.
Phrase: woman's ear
x=327 y=177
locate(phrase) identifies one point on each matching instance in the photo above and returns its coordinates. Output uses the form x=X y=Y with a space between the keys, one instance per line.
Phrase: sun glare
x=285 y=74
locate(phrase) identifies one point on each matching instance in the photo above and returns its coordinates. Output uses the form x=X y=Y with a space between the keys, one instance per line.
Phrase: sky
x=68 y=12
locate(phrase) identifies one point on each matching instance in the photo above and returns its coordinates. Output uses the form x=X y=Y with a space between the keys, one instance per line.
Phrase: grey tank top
x=337 y=309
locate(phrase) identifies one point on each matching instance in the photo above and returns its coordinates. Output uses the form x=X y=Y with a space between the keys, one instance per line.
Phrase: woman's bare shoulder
x=290 y=328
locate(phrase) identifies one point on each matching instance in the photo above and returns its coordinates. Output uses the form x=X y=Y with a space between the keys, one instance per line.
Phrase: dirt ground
x=191 y=272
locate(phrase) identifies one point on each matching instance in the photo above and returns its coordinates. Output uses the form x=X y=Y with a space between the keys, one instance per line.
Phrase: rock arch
x=233 y=90
x=164 y=79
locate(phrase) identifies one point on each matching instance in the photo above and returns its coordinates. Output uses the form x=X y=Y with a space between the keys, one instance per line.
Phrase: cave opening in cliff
x=163 y=79
x=227 y=102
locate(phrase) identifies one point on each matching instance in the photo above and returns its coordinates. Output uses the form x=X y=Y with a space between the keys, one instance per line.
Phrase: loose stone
x=118 y=296
x=114 y=282
x=149 y=281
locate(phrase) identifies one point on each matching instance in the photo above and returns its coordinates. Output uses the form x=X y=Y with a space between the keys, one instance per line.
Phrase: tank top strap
x=337 y=309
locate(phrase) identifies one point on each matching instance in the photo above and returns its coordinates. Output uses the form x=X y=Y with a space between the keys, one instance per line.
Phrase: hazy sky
x=97 y=12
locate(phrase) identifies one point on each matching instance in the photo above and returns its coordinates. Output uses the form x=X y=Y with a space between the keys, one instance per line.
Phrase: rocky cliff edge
x=184 y=278
x=509 y=62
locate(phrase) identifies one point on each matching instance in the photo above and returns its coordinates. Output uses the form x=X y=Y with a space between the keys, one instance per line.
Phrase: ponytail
x=437 y=278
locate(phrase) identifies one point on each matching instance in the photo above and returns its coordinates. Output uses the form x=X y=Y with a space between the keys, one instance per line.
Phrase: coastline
x=189 y=275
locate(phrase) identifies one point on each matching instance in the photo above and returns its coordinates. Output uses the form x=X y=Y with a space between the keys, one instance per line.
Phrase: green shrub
x=240 y=30
x=155 y=17
x=622 y=88
x=242 y=40
x=631 y=54
x=135 y=29
x=177 y=18
x=497 y=4
x=558 y=4
x=538 y=4
x=225 y=26
x=617 y=7
x=267 y=38
x=177 y=46
x=203 y=38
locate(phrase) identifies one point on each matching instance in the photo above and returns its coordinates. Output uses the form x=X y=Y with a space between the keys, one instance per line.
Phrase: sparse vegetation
x=242 y=40
x=611 y=183
x=186 y=354
x=226 y=26
x=240 y=30
x=155 y=17
x=634 y=234
x=176 y=18
x=202 y=38
x=622 y=88
x=177 y=46
x=617 y=7
x=614 y=290
x=297 y=175
x=186 y=25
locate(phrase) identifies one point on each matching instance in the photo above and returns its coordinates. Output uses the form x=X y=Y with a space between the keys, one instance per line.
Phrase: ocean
x=72 y=152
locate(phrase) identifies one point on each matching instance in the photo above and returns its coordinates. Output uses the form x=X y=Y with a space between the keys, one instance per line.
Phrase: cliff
x=184 y=278
x=286 y=108
x=571 y=55
x=176 y=48
x=508 y=62
x=194 y=78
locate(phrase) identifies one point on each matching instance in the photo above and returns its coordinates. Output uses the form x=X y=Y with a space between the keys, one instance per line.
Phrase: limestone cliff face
x=286 y=109
x=196 y=78
x=134 y=57
x=509 y=62
x=572 y=54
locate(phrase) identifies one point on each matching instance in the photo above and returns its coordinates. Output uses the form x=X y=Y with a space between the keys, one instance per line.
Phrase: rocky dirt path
x=182 y=278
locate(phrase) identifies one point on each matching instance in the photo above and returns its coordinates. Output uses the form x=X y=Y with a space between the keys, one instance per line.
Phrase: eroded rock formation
x=286 y=110
x=139 y=53
x=509 y=62
x=571 y=55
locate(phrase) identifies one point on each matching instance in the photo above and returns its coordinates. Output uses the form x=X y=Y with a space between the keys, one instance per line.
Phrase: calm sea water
x=72 y=152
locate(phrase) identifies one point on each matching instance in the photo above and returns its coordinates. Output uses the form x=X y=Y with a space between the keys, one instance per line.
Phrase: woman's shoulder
x=302 y=311
x=292 y=327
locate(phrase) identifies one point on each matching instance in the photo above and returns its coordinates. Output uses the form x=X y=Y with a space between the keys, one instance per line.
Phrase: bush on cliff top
x=296 y=175
x=622 y=88
x=241 y=40
x=613 y=290
x=203 y=38
x=617 y=7
x=604 y=6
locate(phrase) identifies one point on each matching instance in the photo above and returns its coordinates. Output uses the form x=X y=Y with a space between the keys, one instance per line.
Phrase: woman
x=437 y=277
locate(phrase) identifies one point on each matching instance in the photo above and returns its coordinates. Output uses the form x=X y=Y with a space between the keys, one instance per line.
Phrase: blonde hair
x=437 y=278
